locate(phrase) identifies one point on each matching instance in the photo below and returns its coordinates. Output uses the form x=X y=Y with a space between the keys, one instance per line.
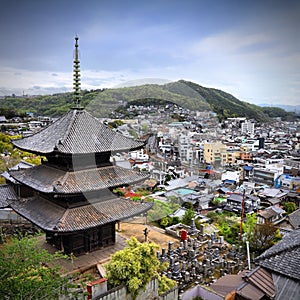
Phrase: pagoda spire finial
x=76 y=75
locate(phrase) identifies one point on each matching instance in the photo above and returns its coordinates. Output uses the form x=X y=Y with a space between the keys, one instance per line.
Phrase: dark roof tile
x=6 y=195
x=77 y=132
x=284 y=257
x=52 y=217
x=48 y=179
x=294 y=218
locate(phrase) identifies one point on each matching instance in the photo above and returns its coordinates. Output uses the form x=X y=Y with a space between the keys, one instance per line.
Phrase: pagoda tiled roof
x=7 y=193
x=52 y=217
x=48 y=179
x=77 y=132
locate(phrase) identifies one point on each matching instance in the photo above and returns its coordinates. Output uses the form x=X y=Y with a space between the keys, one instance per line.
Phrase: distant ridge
x=101 y=102
x=225 y=105
x=291 y=108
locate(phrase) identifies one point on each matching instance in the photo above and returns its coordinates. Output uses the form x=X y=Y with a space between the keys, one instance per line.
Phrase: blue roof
x=248 y=168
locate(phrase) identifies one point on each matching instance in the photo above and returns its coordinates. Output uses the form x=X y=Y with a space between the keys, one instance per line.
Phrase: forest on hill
x=183 y=93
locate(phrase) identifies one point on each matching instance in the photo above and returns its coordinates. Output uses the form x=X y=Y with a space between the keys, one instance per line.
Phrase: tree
x=134 y=266
x=289 y=207
x=164 y=222
x=188 y=205
x=264 y=236
x=188 y=216
x=29 y=272
x=249 y=225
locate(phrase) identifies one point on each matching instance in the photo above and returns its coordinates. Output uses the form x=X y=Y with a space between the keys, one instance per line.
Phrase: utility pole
x=242 y=215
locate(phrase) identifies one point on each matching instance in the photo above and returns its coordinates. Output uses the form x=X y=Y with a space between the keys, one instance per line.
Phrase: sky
x=250 y=49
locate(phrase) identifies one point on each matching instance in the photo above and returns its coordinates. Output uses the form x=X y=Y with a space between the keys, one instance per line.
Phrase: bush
x=135 y=266
x=289 y=207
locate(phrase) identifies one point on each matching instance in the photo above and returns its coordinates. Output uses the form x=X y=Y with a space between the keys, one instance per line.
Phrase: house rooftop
x=294 y=218
x=284 y=257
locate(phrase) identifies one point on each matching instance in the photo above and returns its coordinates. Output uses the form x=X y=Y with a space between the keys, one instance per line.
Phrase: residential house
x=272 y=196
x=231 y=176
x=265 y=176
x=235 y=203
x=272 y=214
x=255 y=285
x=3 y=119
x=294 y=219
x=282 y=260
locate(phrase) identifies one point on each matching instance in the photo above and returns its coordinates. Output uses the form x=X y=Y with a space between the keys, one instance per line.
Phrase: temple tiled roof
x=284 y=257
x=77 y=132
x=6 y=195
x=47 y=179
x=52 y=217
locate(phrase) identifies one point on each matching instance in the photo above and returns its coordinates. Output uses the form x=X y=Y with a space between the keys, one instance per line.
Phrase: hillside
x=101 y=102
x=106 y=101
x=226 y=105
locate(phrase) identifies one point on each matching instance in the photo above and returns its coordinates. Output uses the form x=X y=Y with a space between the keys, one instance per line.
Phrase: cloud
x=229 y=43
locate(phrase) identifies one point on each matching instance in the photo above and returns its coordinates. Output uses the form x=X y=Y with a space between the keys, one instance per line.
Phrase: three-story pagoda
x=69 y=196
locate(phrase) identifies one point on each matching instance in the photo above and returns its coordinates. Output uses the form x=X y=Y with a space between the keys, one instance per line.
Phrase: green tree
x=264 y=236
x=145 y=128
x=134 y=266
x=233 y=234
x=249 y=225
x=29 y=272
x=188 y=216
x=164 y=222
x=174 y=220
x=165 y=284
x=188 y=205
x=289 y=207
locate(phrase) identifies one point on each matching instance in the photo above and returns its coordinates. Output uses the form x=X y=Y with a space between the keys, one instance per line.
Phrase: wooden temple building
x=69 y=196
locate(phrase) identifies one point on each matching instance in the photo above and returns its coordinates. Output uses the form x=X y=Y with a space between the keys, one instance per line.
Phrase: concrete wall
x=150 y=293
x=170 y=295
x=199 y=291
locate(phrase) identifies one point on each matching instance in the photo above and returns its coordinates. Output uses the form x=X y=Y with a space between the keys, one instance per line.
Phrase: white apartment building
x=247 y=127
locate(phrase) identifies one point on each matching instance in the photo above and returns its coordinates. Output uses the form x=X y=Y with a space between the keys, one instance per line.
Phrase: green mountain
x=101 y=102
x=225 y=105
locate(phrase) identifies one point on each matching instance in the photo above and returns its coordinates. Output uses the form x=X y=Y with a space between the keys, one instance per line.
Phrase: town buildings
x=247 y=167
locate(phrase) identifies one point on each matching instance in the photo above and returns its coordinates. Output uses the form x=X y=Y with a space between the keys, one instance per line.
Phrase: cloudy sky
x=250 y=49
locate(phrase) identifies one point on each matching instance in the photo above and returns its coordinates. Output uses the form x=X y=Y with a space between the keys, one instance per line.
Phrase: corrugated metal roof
x=47 y=179
x=52 y=217
x=77 y=132
x=6 y=195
